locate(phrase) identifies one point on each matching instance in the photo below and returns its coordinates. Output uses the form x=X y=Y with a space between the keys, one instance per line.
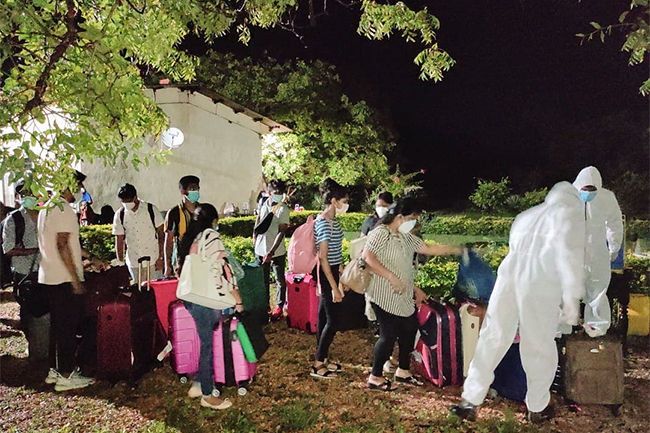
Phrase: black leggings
x=327 y=315
x=391 y=328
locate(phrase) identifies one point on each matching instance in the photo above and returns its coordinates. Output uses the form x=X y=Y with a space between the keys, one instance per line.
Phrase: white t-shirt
x=51 y=222
x=139 y=233
x=264 y=242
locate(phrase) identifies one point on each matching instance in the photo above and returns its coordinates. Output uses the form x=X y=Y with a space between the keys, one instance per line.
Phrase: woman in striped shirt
x=389 y=255
x=329 y=242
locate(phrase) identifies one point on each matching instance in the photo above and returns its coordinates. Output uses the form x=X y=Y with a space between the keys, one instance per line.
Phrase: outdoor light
x=173 y=138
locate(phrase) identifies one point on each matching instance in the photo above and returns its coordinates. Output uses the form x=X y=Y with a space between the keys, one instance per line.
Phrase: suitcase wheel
x=288 y=322
x=615 y=409
x=183 y=379
x=242 y=391
x=308 y=327
x=216 y=392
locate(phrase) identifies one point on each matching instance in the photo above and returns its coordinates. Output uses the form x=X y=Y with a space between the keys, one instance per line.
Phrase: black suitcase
x=351 y=312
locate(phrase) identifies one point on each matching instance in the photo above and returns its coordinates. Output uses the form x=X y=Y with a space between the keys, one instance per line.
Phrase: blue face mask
x=29 y=202
x=587 y=196
x=277 y=198
x=193 y=196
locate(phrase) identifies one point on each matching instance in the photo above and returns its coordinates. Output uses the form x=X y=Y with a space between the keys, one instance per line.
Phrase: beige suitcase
x=594 y=370
x=471 y=319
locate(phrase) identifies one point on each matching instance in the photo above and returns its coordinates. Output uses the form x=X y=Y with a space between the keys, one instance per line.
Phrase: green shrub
x=237 y=226
x=240 y=247
x=640 y=268
x=99 y=241
x=465 y=225
x=437 y=277
x=491 y=196
x=637 y=229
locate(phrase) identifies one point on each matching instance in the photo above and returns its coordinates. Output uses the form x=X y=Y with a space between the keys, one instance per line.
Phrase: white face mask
x=381 y=211
x=129 y=206
x=407 y=226
x=343 y=209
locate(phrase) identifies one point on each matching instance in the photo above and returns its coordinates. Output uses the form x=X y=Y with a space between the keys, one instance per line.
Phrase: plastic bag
x=475 y=279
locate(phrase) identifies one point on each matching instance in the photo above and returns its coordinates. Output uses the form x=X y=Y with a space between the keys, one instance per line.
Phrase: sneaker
x=215 y=403
x=540 y=417
x=75 y=381
x=195 y=390
x=464 y=410
x=52 y=376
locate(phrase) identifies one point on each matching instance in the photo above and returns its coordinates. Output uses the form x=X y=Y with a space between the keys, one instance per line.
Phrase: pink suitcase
x=186 y=346
x=230 y=365
x=165 y=293
x=302 y=302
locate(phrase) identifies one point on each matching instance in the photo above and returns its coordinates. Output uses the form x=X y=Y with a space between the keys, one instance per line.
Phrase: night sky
x=525 y=99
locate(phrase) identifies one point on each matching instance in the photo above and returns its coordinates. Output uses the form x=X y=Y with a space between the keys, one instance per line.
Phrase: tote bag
x=203 y=281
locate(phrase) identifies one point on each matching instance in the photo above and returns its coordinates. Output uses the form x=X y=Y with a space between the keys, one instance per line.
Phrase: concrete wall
x=221 y=147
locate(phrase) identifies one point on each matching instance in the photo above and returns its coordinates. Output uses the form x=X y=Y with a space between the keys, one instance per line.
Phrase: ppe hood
x=563 y=193
x=588 y=176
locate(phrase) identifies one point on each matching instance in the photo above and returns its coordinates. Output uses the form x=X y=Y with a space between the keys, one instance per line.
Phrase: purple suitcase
x=185 y=340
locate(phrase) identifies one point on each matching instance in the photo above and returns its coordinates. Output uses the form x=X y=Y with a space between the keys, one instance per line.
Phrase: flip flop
x=333 y=366
x=386 y=386
x=327 y=374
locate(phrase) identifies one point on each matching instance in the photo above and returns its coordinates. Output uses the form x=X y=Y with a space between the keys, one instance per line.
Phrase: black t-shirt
x=369 y=223
x=173 y=221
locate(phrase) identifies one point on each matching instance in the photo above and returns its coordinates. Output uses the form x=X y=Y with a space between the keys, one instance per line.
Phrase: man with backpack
x=20 y=245
x=138 y=230
x=178 y=219
x=271 y=225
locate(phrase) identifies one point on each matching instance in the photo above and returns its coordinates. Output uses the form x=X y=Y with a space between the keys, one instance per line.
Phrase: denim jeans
x=278 y=264
x=327 y=315
x=205 y=318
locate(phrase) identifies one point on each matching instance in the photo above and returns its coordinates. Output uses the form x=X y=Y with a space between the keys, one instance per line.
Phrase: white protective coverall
x=539 y=283
x=604 y=235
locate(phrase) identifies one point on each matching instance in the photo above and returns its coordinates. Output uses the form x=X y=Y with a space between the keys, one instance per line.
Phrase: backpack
x=151 y=215
x=302 y=254
x=6 y=275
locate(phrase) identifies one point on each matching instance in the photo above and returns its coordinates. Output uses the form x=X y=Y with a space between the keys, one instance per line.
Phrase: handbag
x=32 y=296
x=203 y=281
x=356 y=276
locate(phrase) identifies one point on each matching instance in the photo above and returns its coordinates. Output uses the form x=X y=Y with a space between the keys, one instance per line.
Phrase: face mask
x=129 y=206
x=343 y=209
x=193 y=196
x=277 y=198
x=407 y=226
x=587 y=196
x=28 y=202
x=381 y=211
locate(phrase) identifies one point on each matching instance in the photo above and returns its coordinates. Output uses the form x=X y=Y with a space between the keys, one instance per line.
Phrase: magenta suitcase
x=230 y=365
x=186 y=346
x=302 y=302
x=165 y=293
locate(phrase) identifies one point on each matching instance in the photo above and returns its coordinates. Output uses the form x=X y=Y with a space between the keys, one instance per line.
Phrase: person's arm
x=276 y=243
x=160 y=235
x=337 y=295
x=119 y=247
x=169 y=245
x=439 y=250
x=9 y=241
x=613 y=226
x=379 y=269
x=63 y=247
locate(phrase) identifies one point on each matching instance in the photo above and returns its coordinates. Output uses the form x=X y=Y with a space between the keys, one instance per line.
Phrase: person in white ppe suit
x=539 y=285
x=603 y=236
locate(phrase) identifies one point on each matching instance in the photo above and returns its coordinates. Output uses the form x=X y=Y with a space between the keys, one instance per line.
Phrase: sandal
x=322 y=372
x=386 y=386
x=411 y=380
x=332 y=366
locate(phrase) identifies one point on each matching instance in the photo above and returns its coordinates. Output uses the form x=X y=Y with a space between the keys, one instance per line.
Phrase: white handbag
x=203 y=281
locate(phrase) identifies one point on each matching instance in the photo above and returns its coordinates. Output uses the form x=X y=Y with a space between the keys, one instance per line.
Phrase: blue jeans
x=205 y=318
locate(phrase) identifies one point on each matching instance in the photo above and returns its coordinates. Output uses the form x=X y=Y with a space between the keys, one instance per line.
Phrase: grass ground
x=283 y=397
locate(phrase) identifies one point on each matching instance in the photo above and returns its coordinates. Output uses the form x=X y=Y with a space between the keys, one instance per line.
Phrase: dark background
x=525 y=99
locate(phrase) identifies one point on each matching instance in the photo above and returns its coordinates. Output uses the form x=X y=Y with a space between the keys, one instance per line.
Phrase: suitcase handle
x=142 y=260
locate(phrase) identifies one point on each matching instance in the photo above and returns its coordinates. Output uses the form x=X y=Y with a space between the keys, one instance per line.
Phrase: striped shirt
x=394 y=251
x=330 y=231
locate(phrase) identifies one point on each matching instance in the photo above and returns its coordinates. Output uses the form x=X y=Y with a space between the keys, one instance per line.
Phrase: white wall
x=221 y=147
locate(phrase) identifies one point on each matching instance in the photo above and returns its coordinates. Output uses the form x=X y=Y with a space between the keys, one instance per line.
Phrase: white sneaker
x=52 y=376
x=75 y=381
x=211 y=402
x=195 y=390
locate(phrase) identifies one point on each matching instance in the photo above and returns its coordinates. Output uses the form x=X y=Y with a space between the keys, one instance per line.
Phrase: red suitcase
x=103 y=286
x=302 y=302
x=164 y=291
x=129 y=335
x=439 y=352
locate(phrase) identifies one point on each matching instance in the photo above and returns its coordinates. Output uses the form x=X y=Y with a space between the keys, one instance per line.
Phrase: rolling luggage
x=253 y=293
x=471 y=319
x=230 y=365
x=351 y=312
x=186 y=346
x=510 y=377
x=103 y=286
x=438 y=353
x=594 y=370
x=129 y=335
x=164 y=291
x=302 y=302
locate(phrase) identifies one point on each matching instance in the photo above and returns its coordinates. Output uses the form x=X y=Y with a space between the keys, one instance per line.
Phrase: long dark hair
x=204 y=216
x=330 y=189
x=405 y=206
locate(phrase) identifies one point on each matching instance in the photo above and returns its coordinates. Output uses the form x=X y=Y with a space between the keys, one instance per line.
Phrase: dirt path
x=283 y=397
